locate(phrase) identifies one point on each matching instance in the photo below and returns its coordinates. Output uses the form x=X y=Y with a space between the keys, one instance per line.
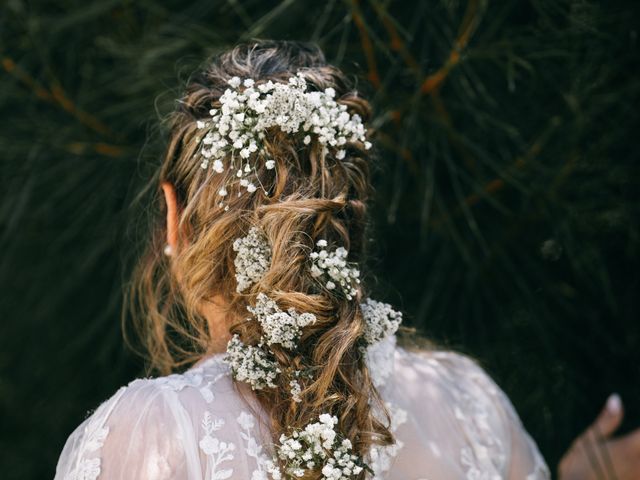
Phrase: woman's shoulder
x=447 y=378
x=418 y=368
x=429 y=383
x=207 y=383
x=172 y=414
x=448 y=396
x=390 y=362
x=443 y=366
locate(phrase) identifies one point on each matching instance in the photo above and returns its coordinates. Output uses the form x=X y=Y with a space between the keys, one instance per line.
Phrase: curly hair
x=309 y=195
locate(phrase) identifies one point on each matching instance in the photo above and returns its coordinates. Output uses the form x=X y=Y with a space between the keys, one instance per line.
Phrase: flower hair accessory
x=252 y=365
x=256 y=365
x=253 y=258
x=334 y=269
x=279 y=327
x=381 y=321
x=318 y=445
x=236 y=130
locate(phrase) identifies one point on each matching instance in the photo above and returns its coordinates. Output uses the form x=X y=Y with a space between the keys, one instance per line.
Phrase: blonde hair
x=309 y=195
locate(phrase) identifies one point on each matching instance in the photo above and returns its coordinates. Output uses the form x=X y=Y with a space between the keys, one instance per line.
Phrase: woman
x=296 y=372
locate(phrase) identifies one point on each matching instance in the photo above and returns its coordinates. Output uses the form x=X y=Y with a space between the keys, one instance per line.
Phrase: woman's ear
x=172 y=214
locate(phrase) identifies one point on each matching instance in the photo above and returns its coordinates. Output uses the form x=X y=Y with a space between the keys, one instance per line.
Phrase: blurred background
x=507 y=207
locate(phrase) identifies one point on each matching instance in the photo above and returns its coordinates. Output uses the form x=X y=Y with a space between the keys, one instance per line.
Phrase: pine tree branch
x=396 y=42
x=367 y=46
x=468 y=26
x=56 y=95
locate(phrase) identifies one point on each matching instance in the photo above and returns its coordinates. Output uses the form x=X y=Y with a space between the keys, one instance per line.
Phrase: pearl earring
x=168 y=251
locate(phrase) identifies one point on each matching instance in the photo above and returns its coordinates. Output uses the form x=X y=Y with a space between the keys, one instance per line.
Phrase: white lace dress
x=450 y=419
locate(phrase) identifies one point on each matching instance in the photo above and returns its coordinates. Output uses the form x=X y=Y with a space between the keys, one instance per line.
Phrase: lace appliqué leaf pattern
x=217 y=451
x=95 y=433
x=483 y=457
x=253 y=449
x=475 y=398
x=89 y=468
x=381 y=458
x=201 y=377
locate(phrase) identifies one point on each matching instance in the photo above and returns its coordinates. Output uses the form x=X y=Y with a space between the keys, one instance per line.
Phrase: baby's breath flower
x=251 y=364
x=318 y=444
x=235 y=131
x=296 y=390
x=256 y=365
x=279 y=327
x=380 y=319
x=218 y=166
x=334 y=269
x=253 y=258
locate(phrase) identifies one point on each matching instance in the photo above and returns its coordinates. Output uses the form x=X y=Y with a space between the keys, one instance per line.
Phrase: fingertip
x=614 y=404
x=609 y=419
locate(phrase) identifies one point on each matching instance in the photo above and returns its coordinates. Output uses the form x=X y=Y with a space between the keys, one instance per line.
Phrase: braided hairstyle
x=309 y=195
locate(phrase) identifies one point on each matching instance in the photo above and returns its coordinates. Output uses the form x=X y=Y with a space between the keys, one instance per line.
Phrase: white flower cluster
x=335 y=269
x=381 y=320
x=252 y=260
x=318 y=445
x=251 y=364
x=247 y=110
x=296 y=389
x=256 y=365
x=279 y=327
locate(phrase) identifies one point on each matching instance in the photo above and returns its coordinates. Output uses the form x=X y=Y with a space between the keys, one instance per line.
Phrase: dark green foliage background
x=507 y=211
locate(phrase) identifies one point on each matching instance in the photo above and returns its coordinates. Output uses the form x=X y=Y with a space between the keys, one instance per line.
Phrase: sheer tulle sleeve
x=168 y=428
x=135 y=434
x=524 y=458
x=459 y=424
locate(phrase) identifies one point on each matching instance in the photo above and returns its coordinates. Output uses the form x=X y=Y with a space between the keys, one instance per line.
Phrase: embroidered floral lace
x=450 y=419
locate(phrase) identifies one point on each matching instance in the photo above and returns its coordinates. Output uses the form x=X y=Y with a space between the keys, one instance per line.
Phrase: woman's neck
x=217 y=315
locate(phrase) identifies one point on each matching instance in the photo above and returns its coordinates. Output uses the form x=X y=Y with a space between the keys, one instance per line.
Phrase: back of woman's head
x=302 y=192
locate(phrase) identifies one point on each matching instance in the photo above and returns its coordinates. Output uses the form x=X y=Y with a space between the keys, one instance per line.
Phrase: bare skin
x=594 y=455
